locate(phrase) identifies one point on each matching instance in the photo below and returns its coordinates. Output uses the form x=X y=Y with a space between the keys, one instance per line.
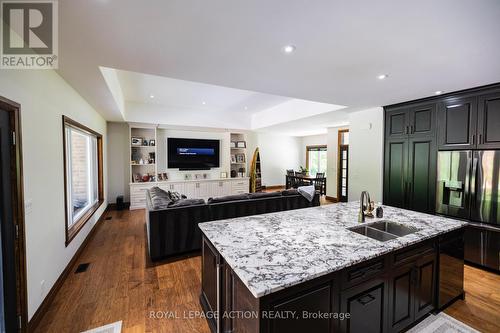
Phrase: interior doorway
x=343 y=167
x=13 y=306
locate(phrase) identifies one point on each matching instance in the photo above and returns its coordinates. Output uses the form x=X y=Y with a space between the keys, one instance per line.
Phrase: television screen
x=192 y=154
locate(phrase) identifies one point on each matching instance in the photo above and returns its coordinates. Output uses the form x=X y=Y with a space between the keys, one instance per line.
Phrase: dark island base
x=387 y=294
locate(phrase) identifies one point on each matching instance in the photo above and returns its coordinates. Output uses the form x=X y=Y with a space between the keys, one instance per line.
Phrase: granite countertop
x=271 y=252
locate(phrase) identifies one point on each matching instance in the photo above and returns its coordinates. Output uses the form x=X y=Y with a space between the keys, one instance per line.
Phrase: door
x=396 y=123
x=343 y=172
x=452 y=184
x=457 y=123
x=485 y=187
x=488 y=121
x=421 y=181
x=401 y=305
x=8 y=288
x=395 y=184
x=425 y=286
x=422 y=120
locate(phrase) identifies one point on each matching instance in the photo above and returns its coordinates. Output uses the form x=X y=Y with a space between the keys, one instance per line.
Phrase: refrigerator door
x=485 y=186
x=452 y=187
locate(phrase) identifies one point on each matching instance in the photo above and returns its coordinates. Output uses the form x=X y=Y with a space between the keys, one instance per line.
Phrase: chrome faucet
x=362 y=206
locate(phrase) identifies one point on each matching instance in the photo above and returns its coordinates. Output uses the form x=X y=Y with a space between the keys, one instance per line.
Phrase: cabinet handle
x=406 y=129
x=411 y=129
x=473 y=139
x=366 y=299
x=480 y=141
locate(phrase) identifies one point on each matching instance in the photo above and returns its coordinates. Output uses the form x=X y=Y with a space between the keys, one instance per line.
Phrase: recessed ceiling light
x=289 y=48
x=439 y=92
x=203 y=102
x=382 y=76
x=246 y=107
x=151 y=96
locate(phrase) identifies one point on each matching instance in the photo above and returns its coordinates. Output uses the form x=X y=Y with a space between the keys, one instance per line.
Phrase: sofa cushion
x=186 y=202
x=234 y=197
x=174 y=196
x=159 y=198
x=291 y=191
x=259 y=195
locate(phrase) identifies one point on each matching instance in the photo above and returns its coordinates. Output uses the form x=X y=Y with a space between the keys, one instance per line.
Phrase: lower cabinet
x=412 y=290
x=366 y=304
x=482 y=247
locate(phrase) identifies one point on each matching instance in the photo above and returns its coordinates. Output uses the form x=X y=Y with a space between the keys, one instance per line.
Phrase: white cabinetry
x=203 y=189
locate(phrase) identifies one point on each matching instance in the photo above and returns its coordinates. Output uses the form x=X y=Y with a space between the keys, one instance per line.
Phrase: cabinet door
x=473 y=245
x=317 y=300
x=422 y=174
x=365 y=303
x=401 y=306
x=488 y=121
x=425 y=286
x=210 y=276
x=190 y=190
x=492 y=249
x=457 y=123
x=396 y=123
x=395 y=182
x=202 y=190
x=422 y=120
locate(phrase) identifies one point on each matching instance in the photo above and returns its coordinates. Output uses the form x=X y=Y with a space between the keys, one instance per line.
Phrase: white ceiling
x=342 y=46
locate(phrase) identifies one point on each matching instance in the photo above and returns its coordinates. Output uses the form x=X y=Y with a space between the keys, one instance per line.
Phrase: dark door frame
x=16 y=170
x=339 y=164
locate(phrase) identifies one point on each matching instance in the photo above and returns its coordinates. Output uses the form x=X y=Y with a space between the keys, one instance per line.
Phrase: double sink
x=383 y=230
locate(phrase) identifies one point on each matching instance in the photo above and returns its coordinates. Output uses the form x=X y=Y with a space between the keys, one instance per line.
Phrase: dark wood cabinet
x=401 y=297
x=488 y=121
x=457 y=119
x=317 y=300
x=425 y=285
x=211 y=281
x=366 y=304
x=482 y=246
x=410 y=157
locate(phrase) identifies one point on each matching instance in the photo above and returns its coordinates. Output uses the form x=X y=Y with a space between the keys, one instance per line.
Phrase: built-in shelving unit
x=238 y=150
x=142 y=154
x=256 y=173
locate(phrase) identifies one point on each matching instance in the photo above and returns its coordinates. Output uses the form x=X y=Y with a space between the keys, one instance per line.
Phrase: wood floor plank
x=122 y=284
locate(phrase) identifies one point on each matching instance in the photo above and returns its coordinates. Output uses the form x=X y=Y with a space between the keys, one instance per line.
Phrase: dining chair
x=320 y=183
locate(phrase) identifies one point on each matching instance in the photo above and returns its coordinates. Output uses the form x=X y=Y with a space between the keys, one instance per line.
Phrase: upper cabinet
x=469 y=122
x=488 y=121
x=457 y=123
x=411 y=121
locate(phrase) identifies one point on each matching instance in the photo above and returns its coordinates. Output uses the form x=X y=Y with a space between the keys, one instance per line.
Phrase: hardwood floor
x=122 y=284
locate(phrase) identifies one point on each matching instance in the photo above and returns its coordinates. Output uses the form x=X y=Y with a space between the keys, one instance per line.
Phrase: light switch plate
x=28 y=206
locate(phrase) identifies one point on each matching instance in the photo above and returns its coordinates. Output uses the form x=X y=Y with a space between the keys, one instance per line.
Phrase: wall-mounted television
x=193 y=154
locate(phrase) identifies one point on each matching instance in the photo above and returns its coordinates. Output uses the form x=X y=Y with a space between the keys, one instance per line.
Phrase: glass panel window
x=83 y=175
x=316 y=160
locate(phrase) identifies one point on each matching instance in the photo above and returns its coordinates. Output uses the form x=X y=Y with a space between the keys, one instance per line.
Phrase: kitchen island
x=308 y=270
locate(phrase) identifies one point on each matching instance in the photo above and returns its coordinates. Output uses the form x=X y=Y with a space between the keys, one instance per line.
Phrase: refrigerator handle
x=474 y=182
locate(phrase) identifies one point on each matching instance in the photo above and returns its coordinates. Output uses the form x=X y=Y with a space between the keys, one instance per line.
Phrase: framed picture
x=145 y=142
x=223 y=174
x=188 y=176
x=165 y=176
x=233 y=158
x=198 y=176
x=233 y=144
x=152 y=142
x=136 y=141
x=205 y=175
x=160 y=177
x=240 y=158
x=241 y=144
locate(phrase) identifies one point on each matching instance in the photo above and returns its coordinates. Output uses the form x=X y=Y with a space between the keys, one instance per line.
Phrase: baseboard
x=333 y=199
x=47 y=301
x=112 y=206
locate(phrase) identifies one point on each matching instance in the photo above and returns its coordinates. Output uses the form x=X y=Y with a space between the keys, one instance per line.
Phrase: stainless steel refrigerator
x=468 y=185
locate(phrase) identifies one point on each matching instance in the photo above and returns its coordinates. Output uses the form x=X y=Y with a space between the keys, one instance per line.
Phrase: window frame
x=74 y=229
x=314 y=147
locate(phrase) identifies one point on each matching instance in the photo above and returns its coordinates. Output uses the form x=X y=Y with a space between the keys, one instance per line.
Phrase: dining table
x=306 y=180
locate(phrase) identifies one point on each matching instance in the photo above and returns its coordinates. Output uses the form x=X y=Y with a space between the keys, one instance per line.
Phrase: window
x=343 y=167
x=316 y=159
x=83 y=175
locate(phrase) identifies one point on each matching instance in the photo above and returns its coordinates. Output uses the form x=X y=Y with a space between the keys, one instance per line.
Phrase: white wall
x=118 y=161
x=366 y=148
x=277 y=154
x=310 y=140
x=44 y=97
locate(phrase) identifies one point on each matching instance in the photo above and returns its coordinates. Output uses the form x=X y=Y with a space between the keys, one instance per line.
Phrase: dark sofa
x=172 y=229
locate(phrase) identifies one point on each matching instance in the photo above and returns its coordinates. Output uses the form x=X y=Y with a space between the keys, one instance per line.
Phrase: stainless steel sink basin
x=393 y=228
x=373 y=233
x=383 y=230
